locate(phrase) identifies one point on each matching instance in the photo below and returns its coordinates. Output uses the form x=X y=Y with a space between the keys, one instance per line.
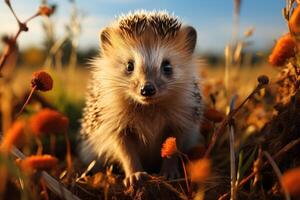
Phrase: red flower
x=35 y=162
x=291 y=181
x=48 y=121
x=42 y=81
x=169 y=147
x=294 y=21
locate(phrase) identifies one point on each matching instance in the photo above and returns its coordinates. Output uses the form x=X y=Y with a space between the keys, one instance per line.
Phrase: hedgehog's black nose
x=148 y=89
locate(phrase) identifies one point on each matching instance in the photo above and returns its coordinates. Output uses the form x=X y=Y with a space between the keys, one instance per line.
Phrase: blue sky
x=213 y=19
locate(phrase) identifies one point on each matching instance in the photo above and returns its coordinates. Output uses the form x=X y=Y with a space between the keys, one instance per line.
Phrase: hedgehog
x=143 y=89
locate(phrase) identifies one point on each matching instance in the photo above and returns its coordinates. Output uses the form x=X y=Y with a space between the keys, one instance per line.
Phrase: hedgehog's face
x=150 y=73
x=153 y=69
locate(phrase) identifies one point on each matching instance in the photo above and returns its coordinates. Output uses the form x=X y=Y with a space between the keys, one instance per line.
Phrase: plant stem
x=277 y=172
x=27 y=100
x=185 y=174
x=68 y=154
x=52 y=143
x=12 y=10
x=232 y=161
x=39 y=146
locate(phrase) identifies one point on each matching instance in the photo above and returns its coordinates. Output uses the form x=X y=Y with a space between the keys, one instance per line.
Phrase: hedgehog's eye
x=166 y=67
x=130 y=66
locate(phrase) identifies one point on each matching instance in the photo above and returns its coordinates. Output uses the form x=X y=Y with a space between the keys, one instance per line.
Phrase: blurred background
x=214 y=21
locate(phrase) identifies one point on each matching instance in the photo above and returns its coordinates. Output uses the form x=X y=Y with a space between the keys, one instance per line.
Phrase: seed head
x=213 y=115
x=263 y=80
x=291 y=181
x=42 y=81
x=14 y=136
x=169 y=147
x=294 y=21
x=48 y=121
x=46 y=10
x=38 y=162
x=283 y=50
x=199 y=170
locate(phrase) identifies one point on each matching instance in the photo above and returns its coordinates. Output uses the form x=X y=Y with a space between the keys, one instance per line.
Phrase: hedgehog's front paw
x=169 y=168
x=135 y=178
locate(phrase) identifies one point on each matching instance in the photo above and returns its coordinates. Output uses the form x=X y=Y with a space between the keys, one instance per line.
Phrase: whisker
x=119 y=80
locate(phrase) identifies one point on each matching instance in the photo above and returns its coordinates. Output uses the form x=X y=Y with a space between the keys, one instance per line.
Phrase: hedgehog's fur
x=161 y=23
x=119 y=124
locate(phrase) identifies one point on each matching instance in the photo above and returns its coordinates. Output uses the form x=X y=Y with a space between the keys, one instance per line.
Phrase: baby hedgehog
x=143 y=89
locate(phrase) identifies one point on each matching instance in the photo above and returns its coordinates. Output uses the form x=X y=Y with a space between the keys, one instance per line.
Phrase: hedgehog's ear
x=190 y=34
x=105 y=39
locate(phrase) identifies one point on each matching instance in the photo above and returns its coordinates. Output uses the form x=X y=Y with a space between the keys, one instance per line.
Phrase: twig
x=176 y=180
x=277 y=172
x=12 y=10
x=286 y=148
x=171 y=188
x=22 y=27
x=88 y=169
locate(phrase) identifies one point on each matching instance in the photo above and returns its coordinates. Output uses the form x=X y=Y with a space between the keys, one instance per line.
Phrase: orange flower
x=291 y=181
x=48 y=121
x=14 y=136
x=46 y=10
x=42 y=81
x=283 y=50
x=294 y=21
x=199 y=170
x=169 y=147
x=35 y=162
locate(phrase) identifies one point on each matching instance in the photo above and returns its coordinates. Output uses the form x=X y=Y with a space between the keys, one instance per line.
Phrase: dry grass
x=73 y=83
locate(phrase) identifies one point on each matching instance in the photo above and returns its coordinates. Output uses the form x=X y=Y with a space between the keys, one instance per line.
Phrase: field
x=250 y=125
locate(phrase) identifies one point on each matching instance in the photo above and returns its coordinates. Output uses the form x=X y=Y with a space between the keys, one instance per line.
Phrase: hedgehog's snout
x=148 y=89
